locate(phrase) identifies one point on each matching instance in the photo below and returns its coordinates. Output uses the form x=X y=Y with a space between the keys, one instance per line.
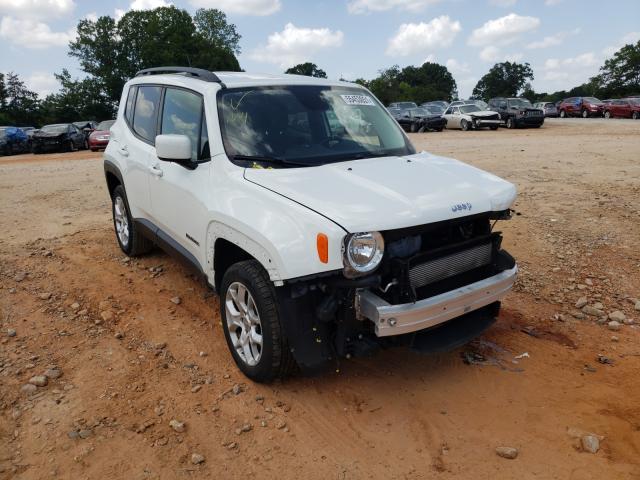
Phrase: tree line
x=111 y=51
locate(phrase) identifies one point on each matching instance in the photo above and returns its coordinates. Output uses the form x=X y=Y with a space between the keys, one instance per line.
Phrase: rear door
x=136 y=145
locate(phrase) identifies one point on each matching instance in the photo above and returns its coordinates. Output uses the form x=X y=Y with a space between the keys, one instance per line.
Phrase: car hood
x=482 y=113
x=389 y=192
x=48 y=135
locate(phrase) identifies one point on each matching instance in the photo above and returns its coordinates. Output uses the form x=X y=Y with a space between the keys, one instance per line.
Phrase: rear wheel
x=464 y=125
x=251 y=323
x=563 y=114
x=607 y=114
x=86 y=144
x=585 y=114
x=635 y=115
x=69 y=146
x=414 y=127
x=511 y=123
x=131 y=241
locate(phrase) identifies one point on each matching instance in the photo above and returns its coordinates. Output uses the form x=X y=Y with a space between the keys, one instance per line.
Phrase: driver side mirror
x=174 y=148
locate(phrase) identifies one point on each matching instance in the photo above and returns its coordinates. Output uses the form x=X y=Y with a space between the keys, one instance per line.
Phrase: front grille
x=533 y=113
x=450 y=265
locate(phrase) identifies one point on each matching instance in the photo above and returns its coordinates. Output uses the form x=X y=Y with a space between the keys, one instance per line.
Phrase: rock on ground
x=590 y=443
x=507 y=452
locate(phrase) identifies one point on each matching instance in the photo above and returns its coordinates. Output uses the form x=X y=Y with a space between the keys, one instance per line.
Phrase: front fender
x=277 y=231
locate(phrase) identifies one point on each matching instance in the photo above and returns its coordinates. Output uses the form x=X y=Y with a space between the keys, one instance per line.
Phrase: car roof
x=240 y=79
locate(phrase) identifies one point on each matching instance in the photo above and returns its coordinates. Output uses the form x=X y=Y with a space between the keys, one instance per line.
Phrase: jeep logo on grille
x=461 y=206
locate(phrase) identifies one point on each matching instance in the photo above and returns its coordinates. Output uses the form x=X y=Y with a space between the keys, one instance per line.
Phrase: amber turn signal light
x=322 y=243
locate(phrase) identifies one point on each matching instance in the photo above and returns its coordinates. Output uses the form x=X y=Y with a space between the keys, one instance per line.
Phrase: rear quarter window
x=128 y=109
x=145 y=115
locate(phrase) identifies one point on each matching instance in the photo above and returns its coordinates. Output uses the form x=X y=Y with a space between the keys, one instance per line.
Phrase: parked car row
x=467 y=114
x=586 y=107
x=55 y=138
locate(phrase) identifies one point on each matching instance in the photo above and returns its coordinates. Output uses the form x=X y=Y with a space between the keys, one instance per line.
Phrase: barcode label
x=357 y=100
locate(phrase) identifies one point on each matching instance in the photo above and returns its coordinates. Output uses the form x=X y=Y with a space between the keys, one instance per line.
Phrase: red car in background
x=99 y=138
x=625 y=108
x=584 y=107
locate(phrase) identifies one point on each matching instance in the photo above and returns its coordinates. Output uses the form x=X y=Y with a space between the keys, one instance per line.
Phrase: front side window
x=307 y=125
x=182 y=115
x=146 y=112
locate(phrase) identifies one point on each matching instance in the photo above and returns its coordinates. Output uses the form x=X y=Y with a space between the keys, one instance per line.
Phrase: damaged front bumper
x=410 y=317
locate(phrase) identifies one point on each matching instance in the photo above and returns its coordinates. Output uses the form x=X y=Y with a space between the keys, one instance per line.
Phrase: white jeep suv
x=304 y=205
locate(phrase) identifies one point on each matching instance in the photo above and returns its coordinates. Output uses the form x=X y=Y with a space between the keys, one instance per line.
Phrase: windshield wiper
x=267 y=159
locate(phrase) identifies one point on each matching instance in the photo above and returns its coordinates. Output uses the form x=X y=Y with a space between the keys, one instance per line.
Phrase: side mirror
x=174 y=148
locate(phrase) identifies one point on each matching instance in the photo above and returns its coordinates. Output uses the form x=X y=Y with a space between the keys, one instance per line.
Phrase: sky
x=565 y=41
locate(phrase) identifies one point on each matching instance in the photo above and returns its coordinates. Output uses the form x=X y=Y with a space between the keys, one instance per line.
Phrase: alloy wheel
x=121 y=220
x=243 y=322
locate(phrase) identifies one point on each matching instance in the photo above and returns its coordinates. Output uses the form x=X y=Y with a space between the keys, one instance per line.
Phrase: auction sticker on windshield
x=357 y=100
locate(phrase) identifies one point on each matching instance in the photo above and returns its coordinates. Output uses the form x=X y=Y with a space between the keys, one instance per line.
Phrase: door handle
x=156 y=170
x=123 y=151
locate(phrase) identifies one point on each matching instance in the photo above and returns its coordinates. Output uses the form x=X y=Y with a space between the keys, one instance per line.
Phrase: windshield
x=634 y=101
x=469 y=108
x=54 y=129
x=592 y=100
x=106 y=125
x=519 y=102
x=308 y=125
x=434 y=110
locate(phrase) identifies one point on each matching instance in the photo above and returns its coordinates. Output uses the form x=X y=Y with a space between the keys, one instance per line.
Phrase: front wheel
x=511 y=123
x=585 y=114
x=86 y=144
x=251 y=323
x=414 y=127
x=635 y=115
x=464 y=125
x=563 y=114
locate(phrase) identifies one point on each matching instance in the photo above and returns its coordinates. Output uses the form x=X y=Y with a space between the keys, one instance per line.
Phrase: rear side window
x=128 y=109
x=182 y=114
x=145 y=113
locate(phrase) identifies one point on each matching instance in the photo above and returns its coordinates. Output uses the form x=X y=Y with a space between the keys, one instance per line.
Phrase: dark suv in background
x=517 y=112
x=584 y=107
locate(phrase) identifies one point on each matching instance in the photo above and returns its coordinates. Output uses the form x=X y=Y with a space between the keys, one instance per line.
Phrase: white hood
x=390 y=192
x=483 y=113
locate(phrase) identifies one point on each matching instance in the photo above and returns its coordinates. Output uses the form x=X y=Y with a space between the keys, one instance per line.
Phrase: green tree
x=77 y=100
x=620 y=74
x=505 y=79
x=112 y=52
x=430 y=81
x=21 y=105
x=211 y=24
x=308 y=69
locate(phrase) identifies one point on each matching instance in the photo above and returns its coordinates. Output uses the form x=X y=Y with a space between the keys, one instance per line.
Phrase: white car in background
x=469 y=116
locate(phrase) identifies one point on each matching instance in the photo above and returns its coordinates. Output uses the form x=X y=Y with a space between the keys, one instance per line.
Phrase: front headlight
x=362 y=253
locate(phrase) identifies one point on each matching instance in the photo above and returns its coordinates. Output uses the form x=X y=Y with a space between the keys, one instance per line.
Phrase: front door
x=178 y=194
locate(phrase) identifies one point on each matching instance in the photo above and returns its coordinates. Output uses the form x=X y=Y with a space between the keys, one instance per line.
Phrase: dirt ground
x=132 y=360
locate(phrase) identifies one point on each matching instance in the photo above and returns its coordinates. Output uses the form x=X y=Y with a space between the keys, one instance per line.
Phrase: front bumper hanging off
x=411 y=317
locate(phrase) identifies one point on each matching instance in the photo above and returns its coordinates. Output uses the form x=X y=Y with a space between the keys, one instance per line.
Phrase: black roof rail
x=199 y=73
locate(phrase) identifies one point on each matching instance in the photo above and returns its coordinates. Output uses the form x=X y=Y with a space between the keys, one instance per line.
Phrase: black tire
x=563 y=114
x=422 y=129
x=439 y=129
x=585 y=114
x=69 y=147
x=86 y=144
x=137 y=243
x=493 y=127
x=94 y=149
x=607 y=114
x=635 y=115
x=511 y=123
x=414 y=127
x=276 y=360
x=464 y=125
